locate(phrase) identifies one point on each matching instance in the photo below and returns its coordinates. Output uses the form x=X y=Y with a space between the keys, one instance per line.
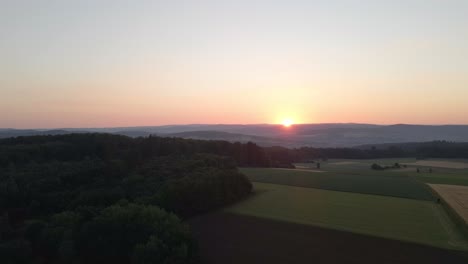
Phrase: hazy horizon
x=144 y=63
x=234 y=124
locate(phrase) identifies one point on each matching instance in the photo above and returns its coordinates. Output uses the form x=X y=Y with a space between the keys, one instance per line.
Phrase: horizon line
x=233 y=124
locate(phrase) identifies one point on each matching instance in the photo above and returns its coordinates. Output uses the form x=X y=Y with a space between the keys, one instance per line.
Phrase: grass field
x=402 y=219
x=356 y=180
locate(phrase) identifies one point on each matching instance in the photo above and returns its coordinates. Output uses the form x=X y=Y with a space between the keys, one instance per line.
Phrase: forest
x=99 y=198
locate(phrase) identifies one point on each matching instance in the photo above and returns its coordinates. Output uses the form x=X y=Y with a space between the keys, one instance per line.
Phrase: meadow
x=423 y=222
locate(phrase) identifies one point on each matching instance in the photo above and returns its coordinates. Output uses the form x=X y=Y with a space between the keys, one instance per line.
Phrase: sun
x=287 y=122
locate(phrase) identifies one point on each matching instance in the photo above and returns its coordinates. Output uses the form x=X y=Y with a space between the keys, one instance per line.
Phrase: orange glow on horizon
x=287 y=122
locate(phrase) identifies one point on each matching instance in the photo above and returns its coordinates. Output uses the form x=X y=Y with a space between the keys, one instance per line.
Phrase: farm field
x=344 y=206
x=413 y=162
x=378 y=183
x=439 y=175
x=440 y=164
x=234 y=238
x=455 y=196
x=396 y=218
x=442 y=178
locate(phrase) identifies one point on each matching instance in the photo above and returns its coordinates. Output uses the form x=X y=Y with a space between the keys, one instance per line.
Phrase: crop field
x=451 y=173
x=443 y=178
x=402 y=219
x=455 y=196
x=361 y=167
x=345 y=207
x=358 y=181
x=235 y=238
x=440 y=164
x=337 y=164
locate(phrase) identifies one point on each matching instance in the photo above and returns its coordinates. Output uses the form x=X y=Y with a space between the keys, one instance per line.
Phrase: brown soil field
x=230 y=238
x=455 y=196
x=439 y=164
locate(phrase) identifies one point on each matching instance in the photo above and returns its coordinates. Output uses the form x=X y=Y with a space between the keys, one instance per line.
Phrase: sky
x=105 y=63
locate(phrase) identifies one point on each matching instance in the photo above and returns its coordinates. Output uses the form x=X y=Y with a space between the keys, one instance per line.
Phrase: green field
x=362 y=180
x=352 y=165
x=402 y=219
x=443 y=178
x=439 y=175
x=349 y=195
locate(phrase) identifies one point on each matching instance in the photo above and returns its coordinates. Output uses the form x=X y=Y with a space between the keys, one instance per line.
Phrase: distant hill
x=6 y=133
x=235 y=137
x=314 y=135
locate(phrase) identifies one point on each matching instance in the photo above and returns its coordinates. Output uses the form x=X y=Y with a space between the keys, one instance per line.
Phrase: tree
x=120 y=234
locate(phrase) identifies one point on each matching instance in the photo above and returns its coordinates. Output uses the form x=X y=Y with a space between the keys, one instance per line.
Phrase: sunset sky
x=95 y=63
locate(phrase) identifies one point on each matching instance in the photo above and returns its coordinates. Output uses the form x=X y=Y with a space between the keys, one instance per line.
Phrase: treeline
x=99 y=198
x=435 y=149
x=133 y=151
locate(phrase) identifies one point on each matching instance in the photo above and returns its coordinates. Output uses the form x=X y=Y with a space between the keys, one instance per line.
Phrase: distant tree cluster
x=376 y=166
x=280 y=156
x=97 y=198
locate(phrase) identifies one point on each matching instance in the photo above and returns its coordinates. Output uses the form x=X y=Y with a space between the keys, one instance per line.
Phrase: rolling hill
x=316 y=135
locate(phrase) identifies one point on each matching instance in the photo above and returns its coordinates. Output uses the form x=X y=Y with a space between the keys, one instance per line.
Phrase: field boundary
x=456 y=217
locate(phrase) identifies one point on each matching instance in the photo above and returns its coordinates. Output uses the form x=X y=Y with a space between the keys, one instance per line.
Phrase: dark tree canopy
x=97 y=198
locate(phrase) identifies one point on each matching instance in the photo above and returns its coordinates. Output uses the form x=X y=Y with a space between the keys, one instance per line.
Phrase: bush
x=376 y=166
